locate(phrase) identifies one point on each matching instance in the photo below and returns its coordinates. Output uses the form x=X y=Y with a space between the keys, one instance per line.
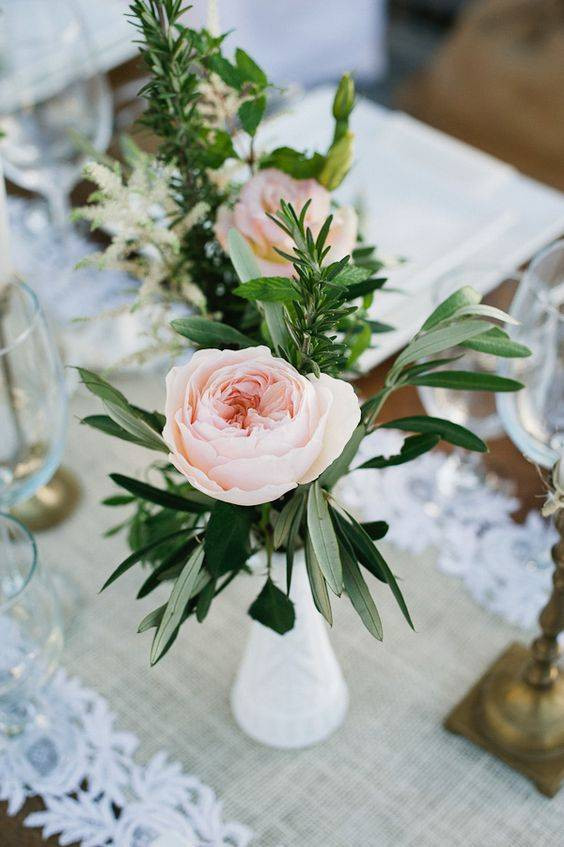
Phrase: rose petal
x=344 y=417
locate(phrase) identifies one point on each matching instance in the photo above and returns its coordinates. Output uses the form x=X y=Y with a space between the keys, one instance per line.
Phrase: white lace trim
x=101 y=797
x=505 y=566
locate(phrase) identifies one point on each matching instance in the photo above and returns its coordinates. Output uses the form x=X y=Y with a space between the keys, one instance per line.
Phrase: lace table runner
x=99 y=796
x=505 y=566
x=390 y=777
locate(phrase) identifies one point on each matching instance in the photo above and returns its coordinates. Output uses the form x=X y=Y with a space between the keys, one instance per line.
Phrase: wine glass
x=464 y=471
x=50 y=96
x=33 y=407
x=534 y=417
x=30 y=630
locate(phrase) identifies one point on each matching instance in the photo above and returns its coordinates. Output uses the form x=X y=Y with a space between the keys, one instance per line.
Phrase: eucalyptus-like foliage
x=199 y=544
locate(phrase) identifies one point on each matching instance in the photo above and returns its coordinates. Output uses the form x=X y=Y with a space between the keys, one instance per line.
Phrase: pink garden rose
x=262 y=194
x=246 y=427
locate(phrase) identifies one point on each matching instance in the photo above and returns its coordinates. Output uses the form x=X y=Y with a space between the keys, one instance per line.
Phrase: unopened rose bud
x=338 y=162
x=343 y=102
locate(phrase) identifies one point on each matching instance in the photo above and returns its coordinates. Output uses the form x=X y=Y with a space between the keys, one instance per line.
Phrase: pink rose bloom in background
x=262 y=194
x=246 y=427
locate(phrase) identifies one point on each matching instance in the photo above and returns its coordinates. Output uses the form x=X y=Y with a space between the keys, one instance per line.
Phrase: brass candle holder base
x=51 y=504
x=521 y=725
x=516 y=710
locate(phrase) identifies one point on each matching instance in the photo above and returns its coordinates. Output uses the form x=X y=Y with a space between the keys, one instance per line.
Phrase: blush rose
x=261 y=195
x=246 y=427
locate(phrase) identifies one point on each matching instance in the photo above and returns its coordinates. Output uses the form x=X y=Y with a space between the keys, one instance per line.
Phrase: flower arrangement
x=259 y=425
x=258 y=434
x=170 y=213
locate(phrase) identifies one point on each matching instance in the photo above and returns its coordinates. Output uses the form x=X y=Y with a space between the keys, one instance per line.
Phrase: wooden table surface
x=504 y=459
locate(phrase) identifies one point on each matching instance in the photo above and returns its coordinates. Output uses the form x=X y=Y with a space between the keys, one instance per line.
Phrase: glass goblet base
x=51 y=504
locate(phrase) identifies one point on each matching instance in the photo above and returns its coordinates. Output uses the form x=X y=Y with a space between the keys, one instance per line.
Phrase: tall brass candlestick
x=516 y=710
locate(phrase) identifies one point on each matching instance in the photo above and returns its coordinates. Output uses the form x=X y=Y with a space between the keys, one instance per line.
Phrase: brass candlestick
x=516 y=710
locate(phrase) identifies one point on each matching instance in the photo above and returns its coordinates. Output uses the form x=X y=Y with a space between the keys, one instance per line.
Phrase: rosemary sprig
x=322 y=301
x=179 y=60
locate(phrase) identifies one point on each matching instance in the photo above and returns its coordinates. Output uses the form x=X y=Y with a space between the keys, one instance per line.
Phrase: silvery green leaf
x=323 y=538
x=448 y=431
x=317 y=583
x=496 y=342
x=159 y=496
x=291 y=543
x=286 y=518
x=176 y=559
x=208 y=333
x=431 y=364
x=152 y=619
x=440 y=339
x=360 y=597
x=246 y=266
x=101 y=388
x=274 y=317
x=466 y=296
x=412 y=447
x=481 y=310
x=340 y=465
x=369 y=556
x=140 y=554
x=127 y=419
x=243 y=259
x=179 y=597
x=467 y=381
x=105 y=424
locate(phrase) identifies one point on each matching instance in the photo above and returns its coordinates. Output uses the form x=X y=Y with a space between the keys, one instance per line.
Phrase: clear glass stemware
x=534 y=417
x=30 y=629
x=33 y=408
x=50 y=94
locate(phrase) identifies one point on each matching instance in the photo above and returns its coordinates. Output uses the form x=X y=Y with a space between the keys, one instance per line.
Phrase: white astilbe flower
x=218 y=103
x=143 y=217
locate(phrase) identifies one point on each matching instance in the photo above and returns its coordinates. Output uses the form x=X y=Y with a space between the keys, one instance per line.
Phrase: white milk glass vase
x=289 y=691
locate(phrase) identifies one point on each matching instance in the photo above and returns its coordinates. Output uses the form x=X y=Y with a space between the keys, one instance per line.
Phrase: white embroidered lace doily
x=98 y=795
x=505 y=566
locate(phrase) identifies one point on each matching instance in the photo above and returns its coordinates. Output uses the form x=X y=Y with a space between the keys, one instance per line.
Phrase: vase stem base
x=288 y=730
x=289 y=691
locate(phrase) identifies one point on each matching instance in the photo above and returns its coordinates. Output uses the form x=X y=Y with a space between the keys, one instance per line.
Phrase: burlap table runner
x=391 y=777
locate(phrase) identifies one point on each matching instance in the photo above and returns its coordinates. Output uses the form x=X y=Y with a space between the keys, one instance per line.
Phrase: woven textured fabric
x=391 y=777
